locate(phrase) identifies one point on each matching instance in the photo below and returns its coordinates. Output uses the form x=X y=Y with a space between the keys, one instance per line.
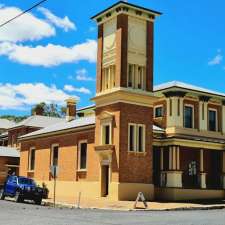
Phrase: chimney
x=71 y=109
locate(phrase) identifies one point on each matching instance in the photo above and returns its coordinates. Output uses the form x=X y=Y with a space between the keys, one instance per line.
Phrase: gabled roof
x=38 y=121
x=67 y=126
x=6 y=124
x=188 y=87
x=77 y=123
x=9 y=152
x=92 y=107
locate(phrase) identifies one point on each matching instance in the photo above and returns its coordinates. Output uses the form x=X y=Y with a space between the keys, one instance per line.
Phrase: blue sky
x=50 y=54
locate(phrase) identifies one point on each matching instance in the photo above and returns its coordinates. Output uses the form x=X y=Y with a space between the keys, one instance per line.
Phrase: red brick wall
x=136 y=168
x=115 y=110
x=17 y=132
x=99 y=58
x=67 y=157
x=129 y=167
x=121 y=50
x=150 y=56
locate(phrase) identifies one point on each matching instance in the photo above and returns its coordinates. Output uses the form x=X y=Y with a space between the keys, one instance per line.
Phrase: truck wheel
x=2 y=195
x=18 y=197
x=38 y=201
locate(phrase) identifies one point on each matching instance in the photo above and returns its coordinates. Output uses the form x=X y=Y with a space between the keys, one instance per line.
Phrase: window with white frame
x=108 y=77
x=213 y=120
x=31 y=159
x=106 y=133
x=189 y=116
x=136 y=76
x=55 y=155
x=82 y=148
x=136 y=137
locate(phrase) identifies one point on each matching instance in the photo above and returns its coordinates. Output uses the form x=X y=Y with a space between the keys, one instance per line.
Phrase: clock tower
x=124 y=100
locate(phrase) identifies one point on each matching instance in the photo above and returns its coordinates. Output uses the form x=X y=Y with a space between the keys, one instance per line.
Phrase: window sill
x=30 y=171
x=82 y=171
x=137 y=153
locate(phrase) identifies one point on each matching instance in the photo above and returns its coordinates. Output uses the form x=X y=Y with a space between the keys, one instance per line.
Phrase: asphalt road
x=12 y=213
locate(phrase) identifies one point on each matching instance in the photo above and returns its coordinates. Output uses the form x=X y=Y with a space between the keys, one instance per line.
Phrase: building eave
x=55 y=133
x=122 y=3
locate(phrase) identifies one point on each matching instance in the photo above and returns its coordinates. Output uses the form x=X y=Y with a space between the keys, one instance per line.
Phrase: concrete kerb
x=189 y=208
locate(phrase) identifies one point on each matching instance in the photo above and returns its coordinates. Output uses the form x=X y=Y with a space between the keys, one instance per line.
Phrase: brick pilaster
x=150 y=56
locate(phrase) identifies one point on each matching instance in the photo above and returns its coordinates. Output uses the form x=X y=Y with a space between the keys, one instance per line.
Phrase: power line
x=22 y=13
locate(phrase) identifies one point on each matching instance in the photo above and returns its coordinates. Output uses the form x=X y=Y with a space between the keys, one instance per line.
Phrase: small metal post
x=54 y=185
x=78 y=203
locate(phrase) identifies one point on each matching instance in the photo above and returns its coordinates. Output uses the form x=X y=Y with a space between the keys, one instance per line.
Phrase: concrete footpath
x=103 y=203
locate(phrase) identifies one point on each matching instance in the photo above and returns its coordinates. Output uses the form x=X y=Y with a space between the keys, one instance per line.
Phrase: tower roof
x=122 y=4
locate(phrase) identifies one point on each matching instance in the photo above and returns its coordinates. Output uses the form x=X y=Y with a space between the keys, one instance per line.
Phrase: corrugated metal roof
x=6 y=124
x=156 y=128
x=80 y=122
x=9 y=152
x=39 y=121
x=186 y=86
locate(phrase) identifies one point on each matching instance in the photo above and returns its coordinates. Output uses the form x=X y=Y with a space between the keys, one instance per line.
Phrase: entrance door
x=193 y=174
x=105 y=180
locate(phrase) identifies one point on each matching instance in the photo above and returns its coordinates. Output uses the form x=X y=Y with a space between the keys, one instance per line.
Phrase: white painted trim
x=104 y=124
x=52 y=148
x=158 y=106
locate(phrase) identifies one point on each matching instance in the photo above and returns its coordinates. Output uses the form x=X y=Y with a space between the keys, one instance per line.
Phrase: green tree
x=52 y=110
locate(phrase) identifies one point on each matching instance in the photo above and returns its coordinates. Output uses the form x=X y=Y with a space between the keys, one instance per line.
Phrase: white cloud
x=71 y=88
x=63 y=23
x=216 y=60
x=27 y=94
x=50 y=55
x=82 y=75
x=24 y=28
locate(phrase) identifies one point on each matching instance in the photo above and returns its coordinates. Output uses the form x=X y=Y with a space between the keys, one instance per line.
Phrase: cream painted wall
x=137 y=36
x=203 y=122
x=109 y=35
x=174 y=178
x=109 y=42
x=175 y=120
x=175 y=194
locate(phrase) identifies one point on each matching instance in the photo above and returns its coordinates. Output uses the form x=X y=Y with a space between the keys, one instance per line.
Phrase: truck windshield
x=26 y=181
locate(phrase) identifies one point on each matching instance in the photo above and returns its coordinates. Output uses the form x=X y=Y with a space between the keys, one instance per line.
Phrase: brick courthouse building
x=168 y=142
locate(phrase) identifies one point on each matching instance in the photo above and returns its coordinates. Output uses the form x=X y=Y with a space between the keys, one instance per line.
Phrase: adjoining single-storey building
x=9 y=161
x=167 y=142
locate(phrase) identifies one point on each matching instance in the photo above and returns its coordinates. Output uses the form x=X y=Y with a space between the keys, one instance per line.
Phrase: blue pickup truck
x=22 y=188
